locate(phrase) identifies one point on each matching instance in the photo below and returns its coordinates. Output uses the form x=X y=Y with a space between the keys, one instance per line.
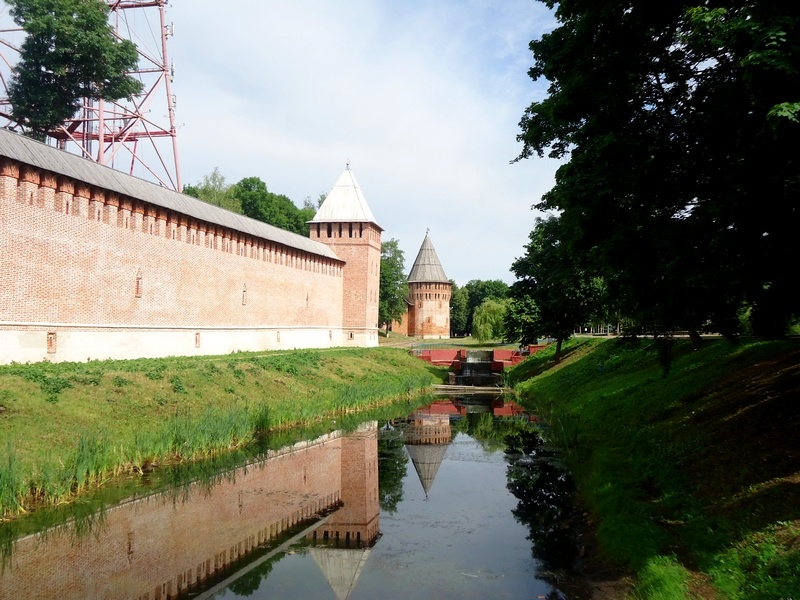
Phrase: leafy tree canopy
x=552 y=295
x=458 y=309
x=392 y=467
x=70 y=53
x=679 y=121
x=393 y=285
x=251 y=197
x=489 y=320
x=478 y=291
x=259 y=203
x=215 y=190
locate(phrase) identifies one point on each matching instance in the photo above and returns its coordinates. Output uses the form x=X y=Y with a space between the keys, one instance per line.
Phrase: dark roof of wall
x=37 y=154
x=427 y=268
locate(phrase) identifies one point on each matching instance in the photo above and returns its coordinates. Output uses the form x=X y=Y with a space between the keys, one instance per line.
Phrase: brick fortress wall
x=88 y=273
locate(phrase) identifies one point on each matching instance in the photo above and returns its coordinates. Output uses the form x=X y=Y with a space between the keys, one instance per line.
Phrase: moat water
x=459 y=499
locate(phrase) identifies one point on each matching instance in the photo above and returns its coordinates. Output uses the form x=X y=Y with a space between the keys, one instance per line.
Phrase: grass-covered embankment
x=67 y=426
x=693 y=479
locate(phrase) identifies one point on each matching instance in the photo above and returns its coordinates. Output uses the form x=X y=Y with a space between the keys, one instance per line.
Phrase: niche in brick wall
x=138 y=292
x=244 y=294
x=52 y=342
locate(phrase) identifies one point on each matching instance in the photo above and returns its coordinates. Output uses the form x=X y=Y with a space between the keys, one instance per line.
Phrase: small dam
x=476 y=369
x=481 y=368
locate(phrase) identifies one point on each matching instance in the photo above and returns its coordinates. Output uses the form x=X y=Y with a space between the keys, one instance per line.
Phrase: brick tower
x=345 y=223
x=429 y=292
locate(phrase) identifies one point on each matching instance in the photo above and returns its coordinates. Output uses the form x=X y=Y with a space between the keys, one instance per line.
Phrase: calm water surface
x=460 y=499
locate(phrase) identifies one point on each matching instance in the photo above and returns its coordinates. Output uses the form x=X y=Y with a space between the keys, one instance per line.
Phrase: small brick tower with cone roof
x=429 y=292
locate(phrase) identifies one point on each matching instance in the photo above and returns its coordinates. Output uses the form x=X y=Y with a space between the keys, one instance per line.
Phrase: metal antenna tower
x=139 y=137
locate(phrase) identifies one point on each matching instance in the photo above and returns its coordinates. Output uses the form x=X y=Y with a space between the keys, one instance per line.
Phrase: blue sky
x=423 y=98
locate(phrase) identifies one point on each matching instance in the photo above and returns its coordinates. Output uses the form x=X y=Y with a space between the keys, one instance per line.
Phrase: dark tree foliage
x=276 y=209
x=393 y=290
x=192 y=190
x=545 y=495
x=249 y=583
x=70 y=53
x=392 y=466
x=478 y=291
x=552 y=295
x=680 y=121
x=458 y=310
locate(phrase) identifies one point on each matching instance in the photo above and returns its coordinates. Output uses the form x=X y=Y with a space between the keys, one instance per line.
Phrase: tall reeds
x=12 y=483
x=213 y=410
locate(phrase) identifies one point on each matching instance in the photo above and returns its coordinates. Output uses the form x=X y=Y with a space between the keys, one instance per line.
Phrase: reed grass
x=177 y=479
x=131 y=416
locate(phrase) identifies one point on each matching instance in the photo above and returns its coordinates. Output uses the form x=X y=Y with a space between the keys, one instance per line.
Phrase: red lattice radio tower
x=140 y=136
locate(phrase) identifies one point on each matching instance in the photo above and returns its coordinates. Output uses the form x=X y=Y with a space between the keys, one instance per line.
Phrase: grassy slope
x=693 y=479
x=62 y=424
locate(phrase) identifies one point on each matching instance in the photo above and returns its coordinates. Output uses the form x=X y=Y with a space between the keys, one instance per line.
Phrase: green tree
x=69 y=54
x=392 y=467
x=276 y=209
x=215 y=190
x=551 y=296
x=478 y=291
x=458 y=309
x=489 y=320
x=393 y=285
x=679 y=121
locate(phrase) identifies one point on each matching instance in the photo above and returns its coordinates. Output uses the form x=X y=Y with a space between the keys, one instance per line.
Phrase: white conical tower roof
x=345 y=203
x=427 y=268
x=341 y=568
x=426 y=460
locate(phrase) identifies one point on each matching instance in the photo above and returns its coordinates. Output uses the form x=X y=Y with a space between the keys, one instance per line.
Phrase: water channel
x=459 y=499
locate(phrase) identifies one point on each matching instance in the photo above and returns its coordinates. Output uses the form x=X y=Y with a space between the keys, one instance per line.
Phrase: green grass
x=71 y=426
x=693 y=473
x=662 y=578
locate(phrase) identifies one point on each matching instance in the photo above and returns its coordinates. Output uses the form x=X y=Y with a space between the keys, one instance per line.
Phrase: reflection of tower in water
x=427 y=438
x=342 y=544
x=355 y=524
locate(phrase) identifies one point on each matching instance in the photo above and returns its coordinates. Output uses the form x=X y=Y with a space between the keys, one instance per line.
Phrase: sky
x=423 y=98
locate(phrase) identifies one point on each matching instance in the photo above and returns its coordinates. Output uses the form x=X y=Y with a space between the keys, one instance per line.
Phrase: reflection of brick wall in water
x=356 y=523
x=154 y=548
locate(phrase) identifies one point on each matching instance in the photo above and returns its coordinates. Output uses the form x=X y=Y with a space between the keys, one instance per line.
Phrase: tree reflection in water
x=392 y=465
x=248 y=584
x=545 y=492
